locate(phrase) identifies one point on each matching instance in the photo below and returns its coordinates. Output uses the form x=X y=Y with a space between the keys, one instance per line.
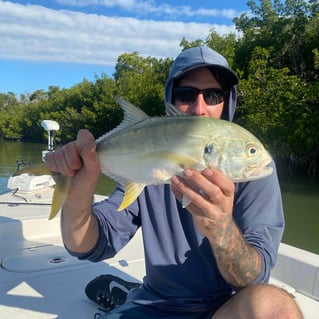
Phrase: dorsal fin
x=132 y=115
x=172 y=110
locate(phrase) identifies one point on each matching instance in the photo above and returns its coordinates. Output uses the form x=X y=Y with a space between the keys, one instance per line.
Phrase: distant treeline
x=276 y=58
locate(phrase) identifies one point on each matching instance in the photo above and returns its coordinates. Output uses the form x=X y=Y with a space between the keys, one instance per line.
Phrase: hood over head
x=203 y=56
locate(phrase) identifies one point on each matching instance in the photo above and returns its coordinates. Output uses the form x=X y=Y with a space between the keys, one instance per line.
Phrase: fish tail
x=62 y=187
x=61 y=190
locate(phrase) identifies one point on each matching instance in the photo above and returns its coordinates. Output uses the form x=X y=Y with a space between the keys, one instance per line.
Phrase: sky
x=62 y=42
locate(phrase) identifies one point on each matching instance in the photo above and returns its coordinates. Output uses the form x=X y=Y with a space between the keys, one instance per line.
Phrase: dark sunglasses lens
x=189 y=95
x=185 y=95
x=213 y=97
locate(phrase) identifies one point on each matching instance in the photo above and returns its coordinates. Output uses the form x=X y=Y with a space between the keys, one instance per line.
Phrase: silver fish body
x=150 y=150
x=145 y=150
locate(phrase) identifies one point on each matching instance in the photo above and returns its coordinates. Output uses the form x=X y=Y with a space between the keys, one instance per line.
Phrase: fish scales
x=145 y=150
x=152 y=143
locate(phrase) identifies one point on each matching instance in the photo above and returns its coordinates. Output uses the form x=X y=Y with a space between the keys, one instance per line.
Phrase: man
x=211 y=260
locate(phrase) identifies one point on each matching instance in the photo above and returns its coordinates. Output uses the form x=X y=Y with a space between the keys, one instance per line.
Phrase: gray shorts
x=131 y=310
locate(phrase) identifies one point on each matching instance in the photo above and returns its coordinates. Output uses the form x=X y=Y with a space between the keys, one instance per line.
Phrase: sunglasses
x=189 y=94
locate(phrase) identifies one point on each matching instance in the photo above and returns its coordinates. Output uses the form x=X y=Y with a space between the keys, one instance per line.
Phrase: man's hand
x=212 y=196
x=79 y=160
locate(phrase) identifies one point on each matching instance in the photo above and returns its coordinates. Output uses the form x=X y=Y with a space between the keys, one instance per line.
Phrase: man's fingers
x=223 y=183
x=86 y=146
x=71 y=157
x=85 y=143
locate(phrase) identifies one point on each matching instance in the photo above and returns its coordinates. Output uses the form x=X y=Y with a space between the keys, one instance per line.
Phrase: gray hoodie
x=204 y=56
x=181 y=272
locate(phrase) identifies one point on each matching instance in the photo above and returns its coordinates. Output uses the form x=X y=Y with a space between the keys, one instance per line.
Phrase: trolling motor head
x=50 y=126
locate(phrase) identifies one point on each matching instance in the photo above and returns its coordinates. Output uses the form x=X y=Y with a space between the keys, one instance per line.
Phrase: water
x=301 y=203
x=300 y=194
x=10 y=152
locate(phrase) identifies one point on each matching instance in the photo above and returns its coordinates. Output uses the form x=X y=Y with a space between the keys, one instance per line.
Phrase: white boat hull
x=40 y=280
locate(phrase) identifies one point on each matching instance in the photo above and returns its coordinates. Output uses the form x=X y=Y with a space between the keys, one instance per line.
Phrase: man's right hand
x=79 y=160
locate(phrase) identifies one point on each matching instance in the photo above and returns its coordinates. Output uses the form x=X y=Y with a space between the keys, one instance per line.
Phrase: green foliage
x=276 y=57
x=280 y=108
x=289 y=29
x=185 y=44
x=141 y=81
x=86 y=105
x=224 y=44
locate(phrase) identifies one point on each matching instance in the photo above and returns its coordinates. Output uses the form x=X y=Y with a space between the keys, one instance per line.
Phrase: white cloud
x=147 y=7
x=36 y=33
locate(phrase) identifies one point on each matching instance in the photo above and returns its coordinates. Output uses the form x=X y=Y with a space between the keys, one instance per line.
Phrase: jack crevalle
x=145 y=150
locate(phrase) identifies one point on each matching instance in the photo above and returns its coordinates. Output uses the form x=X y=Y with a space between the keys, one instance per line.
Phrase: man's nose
x=199 y=106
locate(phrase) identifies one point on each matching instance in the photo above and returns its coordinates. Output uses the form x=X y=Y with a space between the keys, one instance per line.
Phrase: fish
x=144 y=150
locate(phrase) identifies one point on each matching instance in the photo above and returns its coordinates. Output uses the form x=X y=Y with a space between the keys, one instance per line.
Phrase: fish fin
x=181 y=160
x=61 y=190
x=132 y=191
x=173 y=110
x=185 y=201
x=36 y=169
x=132 y=115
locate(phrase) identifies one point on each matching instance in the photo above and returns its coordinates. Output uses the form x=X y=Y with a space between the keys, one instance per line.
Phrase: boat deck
x=40 y=280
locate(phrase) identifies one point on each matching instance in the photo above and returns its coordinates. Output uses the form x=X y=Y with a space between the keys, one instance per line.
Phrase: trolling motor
x=28 y=184
x=50 y=126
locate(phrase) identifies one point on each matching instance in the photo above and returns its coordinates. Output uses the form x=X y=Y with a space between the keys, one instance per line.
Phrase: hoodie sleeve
x=259 y=214
x=115 y=228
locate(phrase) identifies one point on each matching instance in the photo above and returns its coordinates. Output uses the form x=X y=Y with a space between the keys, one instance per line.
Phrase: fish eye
x=251 y=150
x=209 y=149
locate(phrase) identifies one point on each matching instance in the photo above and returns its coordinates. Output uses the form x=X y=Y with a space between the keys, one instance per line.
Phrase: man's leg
x=260 y=302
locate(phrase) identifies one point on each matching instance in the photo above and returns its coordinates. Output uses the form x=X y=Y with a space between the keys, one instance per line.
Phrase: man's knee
x=274 y=302
x=260 y=302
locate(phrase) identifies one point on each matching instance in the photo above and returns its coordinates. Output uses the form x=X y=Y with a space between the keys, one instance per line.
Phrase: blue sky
x=61 y=42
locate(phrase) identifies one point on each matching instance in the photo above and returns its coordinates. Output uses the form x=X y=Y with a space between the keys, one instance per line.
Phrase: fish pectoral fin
x=61 y=190
x=132 y=191
x=179 y=159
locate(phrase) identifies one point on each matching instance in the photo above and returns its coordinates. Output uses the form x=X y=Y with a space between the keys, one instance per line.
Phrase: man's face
x=201 y=79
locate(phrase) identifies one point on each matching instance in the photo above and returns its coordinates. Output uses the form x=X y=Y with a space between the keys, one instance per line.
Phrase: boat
x=40 y=280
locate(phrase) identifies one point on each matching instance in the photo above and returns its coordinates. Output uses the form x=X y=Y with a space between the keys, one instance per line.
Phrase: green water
x=301 y=202
x=10 y=152
x=300 y=194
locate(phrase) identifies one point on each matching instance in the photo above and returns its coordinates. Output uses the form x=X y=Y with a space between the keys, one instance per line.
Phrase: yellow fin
x=180 y=159
x=132 y=191
x=62 y=187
